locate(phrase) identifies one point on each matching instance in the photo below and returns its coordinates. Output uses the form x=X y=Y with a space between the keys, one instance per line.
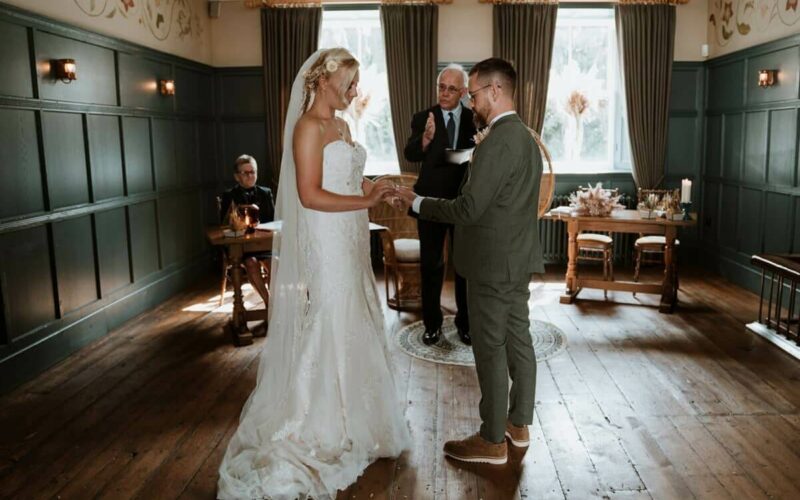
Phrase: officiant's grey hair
x=454 y=67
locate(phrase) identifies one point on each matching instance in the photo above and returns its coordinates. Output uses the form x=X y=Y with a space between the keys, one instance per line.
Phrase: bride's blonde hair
x=329 y=62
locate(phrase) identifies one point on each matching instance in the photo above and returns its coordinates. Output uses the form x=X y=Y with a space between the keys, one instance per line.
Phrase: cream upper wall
x=180 y=28
x=465 y=32
x=234 y=39
x=236 y=36
x=737 y=24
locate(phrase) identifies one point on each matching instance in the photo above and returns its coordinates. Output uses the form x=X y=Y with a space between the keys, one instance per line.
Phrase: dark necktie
x=451 y=130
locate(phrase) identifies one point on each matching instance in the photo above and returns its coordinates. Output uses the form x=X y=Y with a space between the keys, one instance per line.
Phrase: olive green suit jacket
x=495 y=216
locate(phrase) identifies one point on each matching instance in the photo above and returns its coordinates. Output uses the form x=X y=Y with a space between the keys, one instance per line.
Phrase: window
x=370 y=116
x=584 y=125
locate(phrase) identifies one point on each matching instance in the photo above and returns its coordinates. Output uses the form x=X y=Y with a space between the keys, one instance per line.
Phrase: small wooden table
x=622 y=221
x=260 y=241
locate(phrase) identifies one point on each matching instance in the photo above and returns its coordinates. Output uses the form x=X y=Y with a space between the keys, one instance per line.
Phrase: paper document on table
x=270 y=226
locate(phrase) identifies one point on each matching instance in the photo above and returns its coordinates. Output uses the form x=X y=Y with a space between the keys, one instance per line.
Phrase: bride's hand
x=379 y=192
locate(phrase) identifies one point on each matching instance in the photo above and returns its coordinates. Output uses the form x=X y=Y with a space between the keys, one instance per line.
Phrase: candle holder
x=249 y=214
x=686 y=206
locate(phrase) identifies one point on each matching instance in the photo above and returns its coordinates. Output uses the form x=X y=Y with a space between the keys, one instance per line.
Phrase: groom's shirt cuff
x=417 y=204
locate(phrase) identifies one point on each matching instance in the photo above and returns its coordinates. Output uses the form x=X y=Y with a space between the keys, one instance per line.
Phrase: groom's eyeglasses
x=471 y=95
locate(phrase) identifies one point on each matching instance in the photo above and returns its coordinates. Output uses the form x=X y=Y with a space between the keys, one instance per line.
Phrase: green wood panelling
x=144 y=239
x=75 y=263
x=728 y=215
x=682 y=147
x=750 y=219
x=20 y=175
x=732 y=147
x=714 y=146
x=138 y=83
x=187 y=168
x=787 y=62
x=105 y=155
x=138 y=166
x=783 y=147
x=15 y=79
x=778 y=234
x=755 y=148
x=164 y=154
x=112 y=250
x=726 y=85
x=95 y=73
x=26 y=281
x=709 y=213
x=65 y=159
x=240 y=95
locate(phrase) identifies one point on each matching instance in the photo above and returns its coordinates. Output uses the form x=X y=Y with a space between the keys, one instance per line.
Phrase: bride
x=325 y=404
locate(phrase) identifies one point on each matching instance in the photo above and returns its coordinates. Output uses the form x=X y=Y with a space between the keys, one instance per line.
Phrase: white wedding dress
x=326 y=405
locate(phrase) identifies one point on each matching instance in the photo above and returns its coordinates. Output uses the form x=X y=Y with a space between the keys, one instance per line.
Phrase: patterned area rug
x=548 y=341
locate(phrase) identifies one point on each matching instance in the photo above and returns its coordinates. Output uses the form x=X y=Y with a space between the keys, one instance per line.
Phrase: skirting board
x=779 y=340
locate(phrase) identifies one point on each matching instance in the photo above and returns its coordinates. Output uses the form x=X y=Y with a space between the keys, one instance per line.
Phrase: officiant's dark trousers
x=501 y=341
x=432 y=236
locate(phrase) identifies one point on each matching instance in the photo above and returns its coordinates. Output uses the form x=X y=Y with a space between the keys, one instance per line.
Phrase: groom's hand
x=405 y=195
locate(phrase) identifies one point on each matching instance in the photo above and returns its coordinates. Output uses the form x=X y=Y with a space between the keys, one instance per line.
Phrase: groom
x=497 y=249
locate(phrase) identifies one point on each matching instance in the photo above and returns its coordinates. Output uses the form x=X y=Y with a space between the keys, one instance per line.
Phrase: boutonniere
x=481 y=135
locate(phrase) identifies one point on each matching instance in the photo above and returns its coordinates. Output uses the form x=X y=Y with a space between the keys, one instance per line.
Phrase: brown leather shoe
x=476 y=449
x=519 y=436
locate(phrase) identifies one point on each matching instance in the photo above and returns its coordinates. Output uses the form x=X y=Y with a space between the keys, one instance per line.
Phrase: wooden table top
x=623 y=216
x=216 y=237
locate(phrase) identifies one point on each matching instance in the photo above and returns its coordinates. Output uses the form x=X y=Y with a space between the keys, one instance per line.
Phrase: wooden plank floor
x=641 y=405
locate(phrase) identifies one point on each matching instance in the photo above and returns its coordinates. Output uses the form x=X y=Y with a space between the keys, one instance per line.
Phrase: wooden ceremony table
x=622 y=221
x=260 y=241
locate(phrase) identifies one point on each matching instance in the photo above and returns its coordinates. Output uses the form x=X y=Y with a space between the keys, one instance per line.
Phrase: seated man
x=246 y=192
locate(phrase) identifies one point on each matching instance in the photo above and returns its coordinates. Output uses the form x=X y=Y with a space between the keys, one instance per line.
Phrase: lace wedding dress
x=326 y=405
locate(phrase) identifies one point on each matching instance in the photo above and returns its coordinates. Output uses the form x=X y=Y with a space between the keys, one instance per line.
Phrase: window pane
x=370 y=116
x=582 y=108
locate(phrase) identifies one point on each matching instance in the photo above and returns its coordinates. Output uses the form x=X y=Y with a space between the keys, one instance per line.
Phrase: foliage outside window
x=370 y=115
x=584 y=126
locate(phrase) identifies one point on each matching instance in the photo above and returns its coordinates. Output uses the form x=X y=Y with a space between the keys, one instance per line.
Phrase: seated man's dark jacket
x=257 y=195
x=437 y=178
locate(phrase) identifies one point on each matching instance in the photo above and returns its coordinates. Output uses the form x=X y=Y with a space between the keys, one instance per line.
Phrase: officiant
x=435 y=133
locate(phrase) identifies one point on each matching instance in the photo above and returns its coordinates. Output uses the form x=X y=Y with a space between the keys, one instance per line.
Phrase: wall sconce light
x=65 y=70
x=166 y=87
x=767 y=77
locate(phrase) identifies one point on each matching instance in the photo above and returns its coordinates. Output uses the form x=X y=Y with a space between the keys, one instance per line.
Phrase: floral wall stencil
x=737 y=24
x=161 y=17
x=179 y=27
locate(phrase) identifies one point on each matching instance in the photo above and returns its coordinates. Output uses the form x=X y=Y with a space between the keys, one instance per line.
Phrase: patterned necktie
x=451 y=130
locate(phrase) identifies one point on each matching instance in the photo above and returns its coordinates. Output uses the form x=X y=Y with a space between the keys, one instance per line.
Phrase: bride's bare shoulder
x=309 y=131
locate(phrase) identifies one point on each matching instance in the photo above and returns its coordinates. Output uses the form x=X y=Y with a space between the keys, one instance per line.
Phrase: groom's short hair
x=494 y=67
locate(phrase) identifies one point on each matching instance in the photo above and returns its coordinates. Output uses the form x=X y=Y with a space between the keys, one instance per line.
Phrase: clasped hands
x=399 y=197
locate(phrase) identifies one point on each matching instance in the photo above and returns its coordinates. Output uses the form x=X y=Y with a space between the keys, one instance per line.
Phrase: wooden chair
x=598 y=247
x=401 y=251
x=650 y=248
x=226 y=269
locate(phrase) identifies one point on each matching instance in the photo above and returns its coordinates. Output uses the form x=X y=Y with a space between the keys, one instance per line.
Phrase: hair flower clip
x=331 y=66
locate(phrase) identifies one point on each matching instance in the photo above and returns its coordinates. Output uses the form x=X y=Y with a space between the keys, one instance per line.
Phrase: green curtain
x=523 y=34
x=410 y=34
x=290 y=36
x=646 y=35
